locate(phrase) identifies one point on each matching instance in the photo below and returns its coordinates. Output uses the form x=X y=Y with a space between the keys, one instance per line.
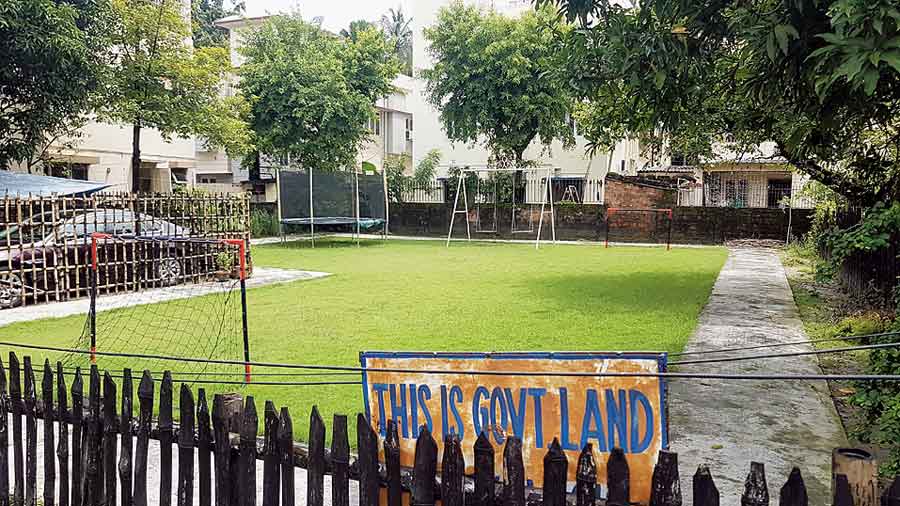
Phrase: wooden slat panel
x=392 y=464
x=586 y=479
x=110 y=433
x=204 y=448
x=618 y=479
x=77 y=431
x=166 y=437
x=15 y=400
x=484 y=472
x=665 y=489
x=513 y=473
x=367 y=444
x=340 y=462
x=556 y=469
x=247 y=464
x=453 y=469
x=186 y=447
x=315 y=472
x=4 y=439
x=49 y=436
x=145 y=415
x=793 y=493
x=756 y=492
x=286 y=452
x=272 y=457
x=126 y=441
x=424 y=469
x=62 y=451
x=30 y=435
x=705 y=491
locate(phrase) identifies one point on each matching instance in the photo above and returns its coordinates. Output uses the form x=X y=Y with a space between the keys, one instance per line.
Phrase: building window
x=736 y=193
x=77 y=171
x=778 y=191
x=374 y=125
x=409 y=128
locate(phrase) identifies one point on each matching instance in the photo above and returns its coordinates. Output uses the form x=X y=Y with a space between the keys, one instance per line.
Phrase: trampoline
x=331 y=199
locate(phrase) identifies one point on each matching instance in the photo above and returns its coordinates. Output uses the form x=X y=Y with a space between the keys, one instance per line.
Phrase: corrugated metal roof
x=17 y=183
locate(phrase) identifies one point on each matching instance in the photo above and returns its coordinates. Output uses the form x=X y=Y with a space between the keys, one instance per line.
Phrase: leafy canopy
x=204 y=14
x=493 y=79
x=159 y=81
x=820 y=78
x=53 y=54
x=396 y=25
x=311 y=93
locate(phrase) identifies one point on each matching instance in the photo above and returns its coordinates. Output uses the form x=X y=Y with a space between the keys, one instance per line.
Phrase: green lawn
x=474 y=297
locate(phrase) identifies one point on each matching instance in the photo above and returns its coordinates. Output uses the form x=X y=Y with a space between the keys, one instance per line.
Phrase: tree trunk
x=136 y=157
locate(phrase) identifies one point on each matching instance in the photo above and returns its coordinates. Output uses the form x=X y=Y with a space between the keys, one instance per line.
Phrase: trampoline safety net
x=334 y=197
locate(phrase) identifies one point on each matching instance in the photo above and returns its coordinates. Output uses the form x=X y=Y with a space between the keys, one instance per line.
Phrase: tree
x=493 y=80
x=204 y=14
x=820 y=78
x=310 y=93
x=397 y=28
x=356 y=27
x=53 y=54
x=158 y=81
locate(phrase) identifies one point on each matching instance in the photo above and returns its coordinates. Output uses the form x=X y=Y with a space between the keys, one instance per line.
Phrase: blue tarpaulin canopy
x=23 y=185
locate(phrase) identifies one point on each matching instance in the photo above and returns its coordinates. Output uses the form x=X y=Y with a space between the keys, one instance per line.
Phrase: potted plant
x=225 y=266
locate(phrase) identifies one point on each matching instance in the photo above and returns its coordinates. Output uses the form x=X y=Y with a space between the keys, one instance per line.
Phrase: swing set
x=523 y=189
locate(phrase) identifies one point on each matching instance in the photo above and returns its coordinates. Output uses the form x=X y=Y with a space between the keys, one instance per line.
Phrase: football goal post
x=166 y=299
x=639 y=225
x=484 y=197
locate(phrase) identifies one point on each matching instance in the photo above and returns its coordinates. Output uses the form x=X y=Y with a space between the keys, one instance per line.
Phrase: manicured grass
x=474 y=297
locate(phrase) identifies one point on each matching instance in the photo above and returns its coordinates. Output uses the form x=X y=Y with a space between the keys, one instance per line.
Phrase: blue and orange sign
x=607 y=411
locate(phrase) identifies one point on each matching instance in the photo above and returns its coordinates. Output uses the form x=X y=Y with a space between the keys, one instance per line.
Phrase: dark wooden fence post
x=247 y=464
x=204 y=446
x=392 y=465
x=424 y=470
x=49 y=436
x=704 y=488
x=77 y=429
x=484 y=471
x=30 y=435
x=186 y=447
x=842 y=493
x=556 y=470
x=756 y=492
x=110 y=433
x=272 y=458
x=586 y=478
x=286 y=452
x=92 y=439
x=166 y=436
x=793 y=493
x=618 y=479
x=62 y=451
x=145 y=415
x=15 y=401
x=222 y=450
x=126 y=442
x=315 y=472
x=665 y=488
x=514 y=473
x=891 y=496
x=367 y=443
x=453 y=472
x=340 y=462
x=4 y=439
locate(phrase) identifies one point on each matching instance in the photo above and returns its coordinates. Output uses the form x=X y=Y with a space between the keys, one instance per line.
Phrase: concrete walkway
x=262 y=276
x=728 y=424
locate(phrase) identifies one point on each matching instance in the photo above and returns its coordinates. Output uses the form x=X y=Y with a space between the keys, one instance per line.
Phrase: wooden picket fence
x=227 y=449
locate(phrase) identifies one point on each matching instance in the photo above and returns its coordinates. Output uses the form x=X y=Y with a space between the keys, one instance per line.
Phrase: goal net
x=645 y=226
x=170 y=299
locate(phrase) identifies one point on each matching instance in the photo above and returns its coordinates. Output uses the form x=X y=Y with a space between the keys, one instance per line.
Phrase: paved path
x=262 y=276
x=727 y=424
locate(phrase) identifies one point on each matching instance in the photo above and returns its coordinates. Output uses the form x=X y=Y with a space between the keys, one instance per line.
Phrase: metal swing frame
x=546 y=198
x=479 y=228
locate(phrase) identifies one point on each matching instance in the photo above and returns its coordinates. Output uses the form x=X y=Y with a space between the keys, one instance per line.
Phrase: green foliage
x=396 y=26
x=820 y=78
x=427 y=167
x=494 y=80
x=872 y=233
x=397 y=180
x=356 y=27
x=310 y=94
x=158 y=81
x=53 y=55
x=263 y=224
x=204 y=14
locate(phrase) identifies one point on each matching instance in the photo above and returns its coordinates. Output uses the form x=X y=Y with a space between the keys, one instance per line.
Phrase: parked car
x=47 y=256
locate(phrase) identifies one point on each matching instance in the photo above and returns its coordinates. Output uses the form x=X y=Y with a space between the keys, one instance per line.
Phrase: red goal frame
x=612 y=211
x=242 y=252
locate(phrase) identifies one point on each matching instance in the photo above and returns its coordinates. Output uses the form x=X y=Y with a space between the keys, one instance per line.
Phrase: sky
x=337 y=14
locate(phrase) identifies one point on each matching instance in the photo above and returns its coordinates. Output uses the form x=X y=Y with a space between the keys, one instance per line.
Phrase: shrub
x=263 y=224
